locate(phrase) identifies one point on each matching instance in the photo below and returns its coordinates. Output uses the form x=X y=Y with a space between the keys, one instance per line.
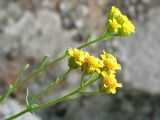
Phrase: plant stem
x=17 y=115
x=54 y=83
x=101 y=38
x=89 y=93
x=33 y=75
x=36 y=73
x=54 y=101
x=64 y=97
x=6 y=94
x=82 y=79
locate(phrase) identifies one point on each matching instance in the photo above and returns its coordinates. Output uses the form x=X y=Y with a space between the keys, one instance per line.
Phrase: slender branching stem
x=56 y=100
x=54 y=83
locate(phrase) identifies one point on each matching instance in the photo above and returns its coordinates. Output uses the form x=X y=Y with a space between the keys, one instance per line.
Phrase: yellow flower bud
x=110 y=64
x=91 y=64
x=119 y=24
x=109 y=83
x=77 y=58
x=114 y=13
x=113 y=26
x=127 y=29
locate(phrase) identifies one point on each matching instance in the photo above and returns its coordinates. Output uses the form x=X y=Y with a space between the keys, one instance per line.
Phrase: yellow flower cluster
x=119 y=24
x=110 y=66
x=106 y=66
x=110 y=63
x=82 y=59
x=77 y=57
x=109 y=83
x=91 y=64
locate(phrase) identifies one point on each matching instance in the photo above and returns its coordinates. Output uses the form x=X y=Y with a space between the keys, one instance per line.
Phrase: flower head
x=91 y=64
x=119 y=24
x=110 y=64
x=127 y=29
x=77 y=57
x=114 y=13
x=109 y=83
x=113 y=26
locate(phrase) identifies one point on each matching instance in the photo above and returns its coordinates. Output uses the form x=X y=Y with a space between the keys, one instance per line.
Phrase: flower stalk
x=54 y=101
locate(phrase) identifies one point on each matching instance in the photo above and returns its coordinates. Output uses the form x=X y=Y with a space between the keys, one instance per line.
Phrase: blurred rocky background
x=30 y=29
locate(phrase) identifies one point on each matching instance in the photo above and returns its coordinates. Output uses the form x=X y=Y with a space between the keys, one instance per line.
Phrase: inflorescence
x=119 y=24
x=106 y=66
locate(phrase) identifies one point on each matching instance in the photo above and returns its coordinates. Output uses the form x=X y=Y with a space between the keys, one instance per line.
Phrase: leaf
x=56 y=81
x=91 y=38
x=27 y=102
x=43 y=62
x=66 y=53
x=32 y=106
x=27 y=94
x=21 y=72
x=10 y=86
x=73 y=97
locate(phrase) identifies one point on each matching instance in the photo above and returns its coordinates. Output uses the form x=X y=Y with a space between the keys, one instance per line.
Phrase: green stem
x=36 y=73
x=41 y=70
x=54 y=83
x=17 y=115
x=89 y=93
x=101 y=38
x=82 y=79
x=66 y=96
x=6 y=94
x=56 y=100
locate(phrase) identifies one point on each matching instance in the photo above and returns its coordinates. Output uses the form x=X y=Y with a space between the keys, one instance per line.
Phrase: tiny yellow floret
x=91 y=64
x=127 y=29
x=77 y=57
x=110 y=64
x=119 y=24
x=109 y=84
x=114 y=13
x=113 y=26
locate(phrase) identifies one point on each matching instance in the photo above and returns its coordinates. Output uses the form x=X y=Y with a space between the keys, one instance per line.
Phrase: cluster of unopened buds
x=101 y=69
x=119 y=24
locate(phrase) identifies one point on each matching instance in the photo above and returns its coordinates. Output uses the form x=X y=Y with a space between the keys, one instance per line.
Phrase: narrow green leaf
x=27 y=94
x=91 y=38
x=21 y=72
x=10 y=86
x=43 y=62
x=66 y=53
x=32 y=106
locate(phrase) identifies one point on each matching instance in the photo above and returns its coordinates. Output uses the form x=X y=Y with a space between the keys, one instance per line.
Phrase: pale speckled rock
x=11 y=107
x=40 y=34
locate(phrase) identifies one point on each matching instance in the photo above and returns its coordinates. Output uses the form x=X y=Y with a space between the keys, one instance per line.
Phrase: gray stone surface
x=11 y=107
x=128 y=105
